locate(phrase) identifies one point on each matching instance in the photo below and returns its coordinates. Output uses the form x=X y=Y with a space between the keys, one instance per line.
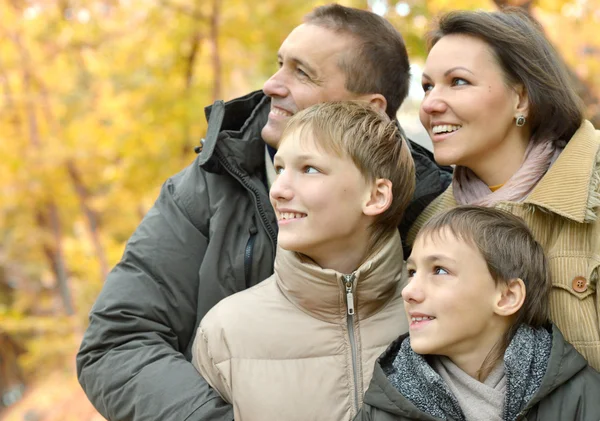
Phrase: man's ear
x=377 y=101
x=380 y=198
x=511 y=297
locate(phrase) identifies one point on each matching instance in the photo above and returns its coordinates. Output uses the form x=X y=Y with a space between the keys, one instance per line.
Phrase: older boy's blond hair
x=373 y=142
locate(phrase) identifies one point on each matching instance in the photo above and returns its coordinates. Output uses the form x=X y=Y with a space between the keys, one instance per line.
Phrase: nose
x=434 y=102
x=275 y=85
x=413 y=291
x=281 y=189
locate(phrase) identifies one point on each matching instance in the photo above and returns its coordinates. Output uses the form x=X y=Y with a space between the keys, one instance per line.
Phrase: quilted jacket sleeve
x=131 y=363
x=210 y=356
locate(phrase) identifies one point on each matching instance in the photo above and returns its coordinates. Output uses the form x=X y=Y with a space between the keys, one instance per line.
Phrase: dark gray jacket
x=569 y=390
x=211 y=233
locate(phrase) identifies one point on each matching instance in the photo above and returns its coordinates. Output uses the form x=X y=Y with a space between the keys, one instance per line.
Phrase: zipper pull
x=348 y=281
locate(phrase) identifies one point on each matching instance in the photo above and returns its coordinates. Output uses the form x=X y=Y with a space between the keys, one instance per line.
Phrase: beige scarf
x=478 y=401
x=539 y=156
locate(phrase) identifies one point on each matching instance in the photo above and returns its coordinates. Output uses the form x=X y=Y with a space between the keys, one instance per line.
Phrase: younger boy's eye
x=438 y=270
x=310 y=170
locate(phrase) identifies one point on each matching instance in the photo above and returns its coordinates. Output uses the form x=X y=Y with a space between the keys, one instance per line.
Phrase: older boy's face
x=308 y=74
x=449 y=299
x=318 y=199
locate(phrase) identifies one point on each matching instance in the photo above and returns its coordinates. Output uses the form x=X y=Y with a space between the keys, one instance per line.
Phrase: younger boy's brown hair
x=373 y=142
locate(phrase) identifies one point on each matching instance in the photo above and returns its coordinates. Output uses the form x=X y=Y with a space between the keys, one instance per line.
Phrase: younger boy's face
x=318 y=198
x=449 y=299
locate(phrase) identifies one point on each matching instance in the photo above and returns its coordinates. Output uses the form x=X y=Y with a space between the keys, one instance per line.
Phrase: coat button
x=579 y=284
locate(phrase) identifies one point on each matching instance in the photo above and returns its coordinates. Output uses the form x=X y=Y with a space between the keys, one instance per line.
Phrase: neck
x=502 y=162
x=344 y=256
x=346 y=262
x=472 y=356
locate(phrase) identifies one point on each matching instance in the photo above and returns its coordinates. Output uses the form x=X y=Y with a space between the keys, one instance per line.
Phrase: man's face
x=308 y=74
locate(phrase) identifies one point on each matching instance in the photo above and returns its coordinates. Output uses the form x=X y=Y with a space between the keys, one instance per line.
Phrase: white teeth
x=291 y=215
x=420 y=319
x=278 y=111
x=445 y=128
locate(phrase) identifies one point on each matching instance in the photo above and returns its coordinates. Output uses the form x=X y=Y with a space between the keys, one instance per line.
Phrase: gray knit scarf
x=525 y=363
x=469 y=189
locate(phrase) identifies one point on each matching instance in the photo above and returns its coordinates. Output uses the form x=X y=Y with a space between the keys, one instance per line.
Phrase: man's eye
x=301 y=72
x=438 y=270
x=411 y=273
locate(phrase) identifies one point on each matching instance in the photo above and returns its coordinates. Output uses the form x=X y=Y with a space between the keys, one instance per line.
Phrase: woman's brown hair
x=526 y=58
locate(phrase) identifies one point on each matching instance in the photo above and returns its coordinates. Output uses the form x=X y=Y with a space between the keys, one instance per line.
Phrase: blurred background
x=102 y=100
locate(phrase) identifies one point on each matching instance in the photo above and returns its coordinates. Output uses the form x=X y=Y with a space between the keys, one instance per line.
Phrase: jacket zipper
x=248 y=258
x=242 y=178
x=349 y=284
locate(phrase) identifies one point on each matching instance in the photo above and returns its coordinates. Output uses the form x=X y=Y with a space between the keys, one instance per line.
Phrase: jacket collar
x=234 y=130
x=571 y=187
x=322 y=292
x=564 y=364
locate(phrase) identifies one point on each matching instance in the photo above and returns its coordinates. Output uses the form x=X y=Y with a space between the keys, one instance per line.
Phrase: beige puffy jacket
x=302 y=344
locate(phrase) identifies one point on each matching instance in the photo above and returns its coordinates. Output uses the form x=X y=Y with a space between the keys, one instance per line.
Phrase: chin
x=271 y=134
x=422 y=347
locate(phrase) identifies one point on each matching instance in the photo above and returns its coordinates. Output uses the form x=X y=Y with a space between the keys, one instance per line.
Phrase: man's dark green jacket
x=212 y=232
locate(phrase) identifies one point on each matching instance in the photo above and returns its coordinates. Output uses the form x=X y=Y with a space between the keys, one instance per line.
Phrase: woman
x=499 y=106
x=480 y=346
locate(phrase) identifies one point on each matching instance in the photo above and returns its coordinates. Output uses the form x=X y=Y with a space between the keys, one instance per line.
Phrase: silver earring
x=521 y=120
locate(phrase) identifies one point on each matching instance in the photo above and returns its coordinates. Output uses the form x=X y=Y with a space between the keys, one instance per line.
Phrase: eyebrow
x=432 y=258
x=300 y=62
x=447 y=72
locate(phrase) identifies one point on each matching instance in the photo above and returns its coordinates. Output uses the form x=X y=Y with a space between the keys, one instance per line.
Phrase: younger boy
x=480 y=344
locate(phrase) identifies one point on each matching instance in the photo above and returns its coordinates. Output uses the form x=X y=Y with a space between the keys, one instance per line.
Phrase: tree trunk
x=216 y=56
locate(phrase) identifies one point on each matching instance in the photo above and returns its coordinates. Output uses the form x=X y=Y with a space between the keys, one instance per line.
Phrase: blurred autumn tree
x=101 y=101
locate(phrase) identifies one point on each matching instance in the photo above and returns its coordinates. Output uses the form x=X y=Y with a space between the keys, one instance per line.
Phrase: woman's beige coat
x=289 y=349
x=563 y=212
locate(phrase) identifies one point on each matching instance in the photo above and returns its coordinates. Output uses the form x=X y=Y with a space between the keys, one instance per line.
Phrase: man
x=212 y=230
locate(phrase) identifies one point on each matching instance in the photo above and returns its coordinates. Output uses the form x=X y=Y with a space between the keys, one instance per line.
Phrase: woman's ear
x=510 y=298
x=522 y=101
x=380 y=198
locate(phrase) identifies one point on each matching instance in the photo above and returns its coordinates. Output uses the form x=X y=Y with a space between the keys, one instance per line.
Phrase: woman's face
x=468 y=109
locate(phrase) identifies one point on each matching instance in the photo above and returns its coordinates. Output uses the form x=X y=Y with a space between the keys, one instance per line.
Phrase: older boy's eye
x=438 y=270
x=278 y=169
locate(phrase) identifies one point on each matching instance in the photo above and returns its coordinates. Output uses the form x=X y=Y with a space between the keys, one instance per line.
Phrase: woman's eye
x=427 y=87
x=310 y=170
x=438 y=270
x=457 y=81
